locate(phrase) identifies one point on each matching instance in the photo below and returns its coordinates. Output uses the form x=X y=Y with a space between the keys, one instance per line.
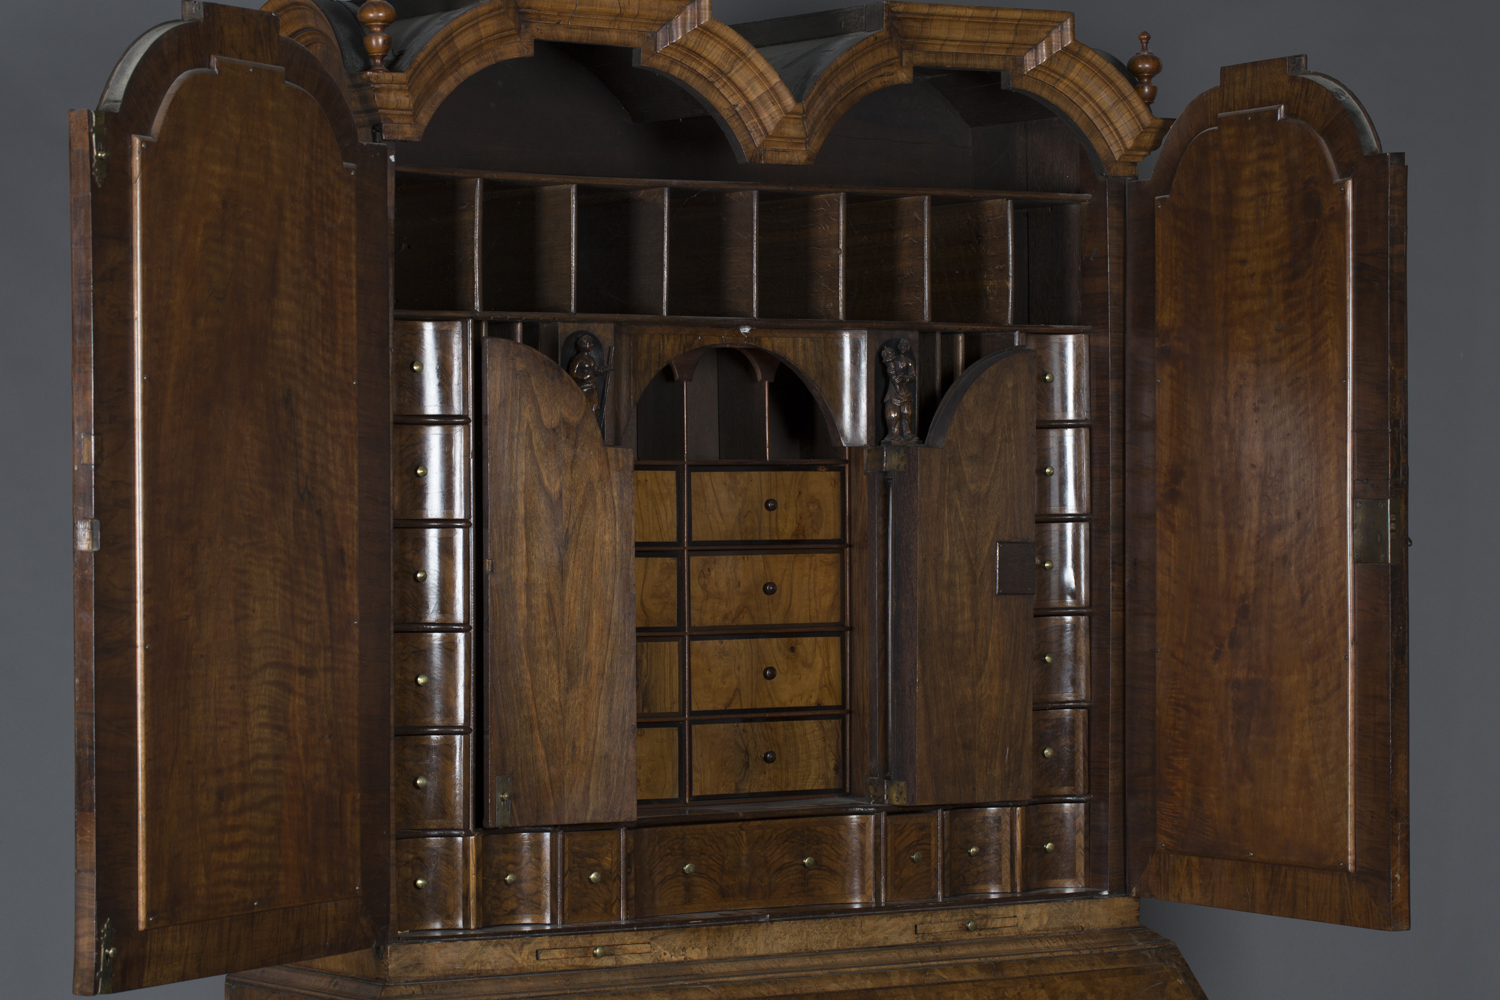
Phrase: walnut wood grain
x=911 y=857
x=430 y=576
x=1064 y=357
x=750 y=758
x=428 y=362
x=712 y=246
x=1064 y=583
x=889 y=247
x=778 y=672
x=431 y=671
x=560 y=635
x=801 y=255
x=771 y=589
x=658 y=677
x=1060 y=752
x=432 y=876
x=1060 y=659
x=752 y=865
x=591 y=876
x=1054 y=845
x=1062 y=472
x=656 y=506
x=979 y=852
x=658 y=762
x=622 y=250
x=430 y=467
x=528 y=245
x=514 y=878
x=971 y=260
x=766 y=505
x=430 y=780
x=656 y=600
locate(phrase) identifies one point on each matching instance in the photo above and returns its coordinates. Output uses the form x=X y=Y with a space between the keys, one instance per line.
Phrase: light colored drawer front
x=431 y=676
x=770 y=672
x=429 y=467
x=747 y=758
x=767 y=505
x=657 y=681
x=657 y=756
x=769 y=589
x=1062 y=369
x=428 y=368
x=430 y=583
x=1062 y=565
x=1062 y=462
x=656 y=592
x=655 y=505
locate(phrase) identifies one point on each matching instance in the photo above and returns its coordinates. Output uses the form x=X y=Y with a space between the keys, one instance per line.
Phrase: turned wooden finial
x=1143 y=66
x=375 y=15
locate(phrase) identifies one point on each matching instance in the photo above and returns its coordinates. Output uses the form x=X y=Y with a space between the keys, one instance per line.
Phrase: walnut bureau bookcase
x=575 y=498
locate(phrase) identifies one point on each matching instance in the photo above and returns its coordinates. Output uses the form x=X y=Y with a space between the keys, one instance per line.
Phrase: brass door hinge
x=1373 y=527
x=104 y=971
x=883 y=790
x=86 y=535
x=98 y=155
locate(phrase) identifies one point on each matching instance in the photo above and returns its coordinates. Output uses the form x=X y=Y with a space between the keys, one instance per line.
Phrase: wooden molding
x=683 y=40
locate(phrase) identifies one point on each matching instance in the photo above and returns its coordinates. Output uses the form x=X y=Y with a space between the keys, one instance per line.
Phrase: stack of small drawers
x=1054 y=843
x=432 y=500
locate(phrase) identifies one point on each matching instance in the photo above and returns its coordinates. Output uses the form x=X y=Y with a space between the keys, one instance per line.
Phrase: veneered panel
x=767 y=505
x=560 y=629
x=1252 y=482
x=658 y=680
x=779 y=672
x=656 y=592
x=772 y=589
x=655 y=505
x=752 y=758
x=657 y=762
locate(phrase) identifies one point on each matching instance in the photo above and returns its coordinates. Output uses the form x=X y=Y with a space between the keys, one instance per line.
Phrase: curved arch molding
x=683 y=40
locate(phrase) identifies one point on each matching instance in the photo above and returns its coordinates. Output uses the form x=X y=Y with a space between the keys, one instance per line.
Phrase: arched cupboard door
x=231 y=504
x=1266 y=555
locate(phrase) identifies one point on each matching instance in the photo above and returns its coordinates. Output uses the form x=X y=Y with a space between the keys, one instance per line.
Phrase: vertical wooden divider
x=557 y=248
x=647 y=252
x=739 y=229
x=467 y=276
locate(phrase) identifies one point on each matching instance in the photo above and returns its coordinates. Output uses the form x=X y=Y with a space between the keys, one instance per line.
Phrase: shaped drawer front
x=770 y=589
x=1060 y=752
x=1062 y=565
x=748 y=758
x=429 y=466
x=911 y=869
x=515 y=878
x=431 y=873
x=429 y=368
x=1062 y=367
x=591 y=876
x=767 y=505
x=1053 y=845
x=431 y=584
x=980 y=855
x=429 y=780
x=431 y=674
x=772 y=672
x=827 y=860
x=1060 y=671
x=1062 y=463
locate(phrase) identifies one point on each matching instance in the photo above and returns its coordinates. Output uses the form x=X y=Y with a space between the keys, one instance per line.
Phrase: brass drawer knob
x=420 y=576
x=1046 y=376
x=416 y=366
x=1049 y=471
x=510 y=879
x=689 y=868
x=1046 y=564
x=421 y=471
x=769 y=673
x=596 y=877
x=916 y=856
x=1046 y=657
x=769 y=756
x=422 y=680
x=973 y=852
x=421 y=782
x=420 y=883
x=769 y=589
x=770 y=504
x=1049 y=847
x=972 y=925
x=1048 y=752
x=808 y=862
x=599 y=951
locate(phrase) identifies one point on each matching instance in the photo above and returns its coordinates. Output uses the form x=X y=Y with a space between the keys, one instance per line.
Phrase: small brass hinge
x=1373 y=527
x=883 y=790
x=502 y=800
x=104 y=971
x=98 y=155
x=86 y=535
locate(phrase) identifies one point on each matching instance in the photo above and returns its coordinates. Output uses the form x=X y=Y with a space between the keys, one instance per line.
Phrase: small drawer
x=431 y=582
x=656 y=592
x=1062 y=464
x=658 y=676
x=1060 y=756
x=757 y=865
x=1062 y=565
x=981 y=851
x=429 y=364
x=515 y=878
x=1060 y=672
x=1053 y=845
x=1062 y=371
x=431 y=873
x=429 y=782
x=432 y=673
x=655 y=505
x=771 y=589
x=767 y=505
x=780 y=672
x=658 y=768
x=748 y=758
x=591 y=876
x=430 y=469
x=911 y=871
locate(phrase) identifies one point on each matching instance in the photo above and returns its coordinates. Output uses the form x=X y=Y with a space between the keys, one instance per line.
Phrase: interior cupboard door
x=1267 y=571
x=559 y=600
x=965 y=582
x=231 y=497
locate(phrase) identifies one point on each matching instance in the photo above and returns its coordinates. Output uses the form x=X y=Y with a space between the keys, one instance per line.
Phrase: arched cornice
x=682 y=40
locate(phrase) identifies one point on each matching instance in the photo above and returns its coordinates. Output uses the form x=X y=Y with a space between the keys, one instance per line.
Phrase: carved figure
x=900 y=393
x=590 y=374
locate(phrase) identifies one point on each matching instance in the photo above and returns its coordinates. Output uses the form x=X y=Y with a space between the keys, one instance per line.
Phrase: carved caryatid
x=900 y=393
x=590 y=374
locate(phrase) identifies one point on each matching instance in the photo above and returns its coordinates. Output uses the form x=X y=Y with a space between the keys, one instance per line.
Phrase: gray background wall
x=1423 y=72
